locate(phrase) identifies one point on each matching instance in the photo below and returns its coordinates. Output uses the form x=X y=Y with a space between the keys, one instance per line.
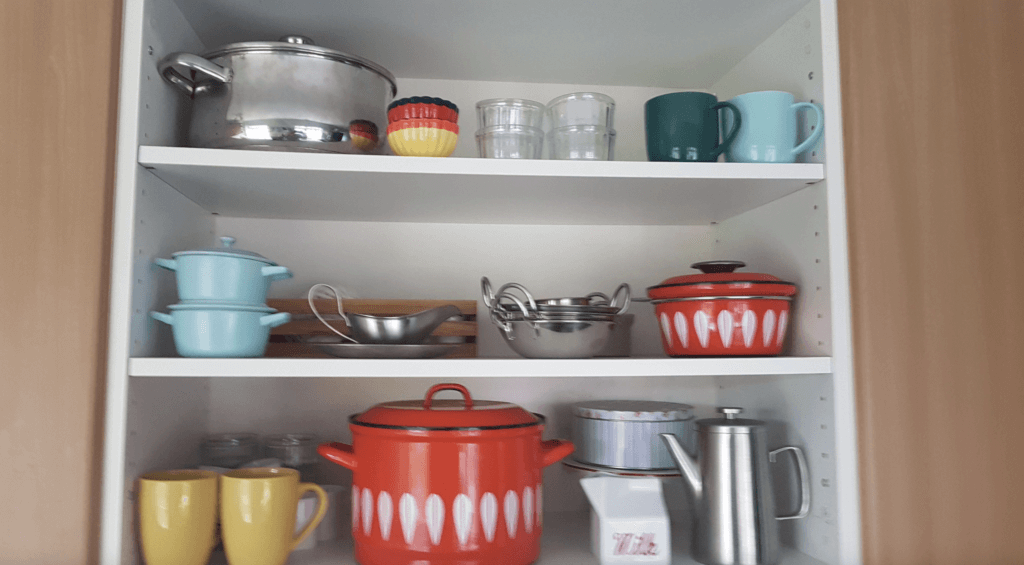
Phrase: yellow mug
x=177 y=516
x=258 y=509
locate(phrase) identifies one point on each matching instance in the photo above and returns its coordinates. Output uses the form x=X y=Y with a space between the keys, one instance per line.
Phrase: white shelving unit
x=561 y=545
x=393 y=227
x=461 y=368
x=378 y=188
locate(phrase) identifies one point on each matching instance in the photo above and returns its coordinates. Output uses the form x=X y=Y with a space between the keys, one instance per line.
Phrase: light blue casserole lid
x=226 y=250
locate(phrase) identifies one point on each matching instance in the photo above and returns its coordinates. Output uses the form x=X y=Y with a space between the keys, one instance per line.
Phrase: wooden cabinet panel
x=934 y=119
x=59 y=96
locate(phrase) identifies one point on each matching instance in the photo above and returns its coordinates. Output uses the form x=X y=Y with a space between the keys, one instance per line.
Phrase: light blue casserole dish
x=214 y=329
x=224 y=274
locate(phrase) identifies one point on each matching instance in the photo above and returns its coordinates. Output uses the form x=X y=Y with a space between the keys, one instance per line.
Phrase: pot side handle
x=553 y=450
x=169 y=264
x=196 y=64
x=160 y=316
x=276 y=272
x=339 y=453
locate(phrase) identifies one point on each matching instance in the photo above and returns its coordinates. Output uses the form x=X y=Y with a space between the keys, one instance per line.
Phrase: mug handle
x=321 y=511
x=816 y=134
x=731 y=136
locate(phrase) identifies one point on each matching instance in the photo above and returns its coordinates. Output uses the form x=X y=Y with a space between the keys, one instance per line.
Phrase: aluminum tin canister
x=624 y=433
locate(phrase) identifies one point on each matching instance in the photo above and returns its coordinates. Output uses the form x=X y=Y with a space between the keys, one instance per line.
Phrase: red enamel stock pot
x=446 y=482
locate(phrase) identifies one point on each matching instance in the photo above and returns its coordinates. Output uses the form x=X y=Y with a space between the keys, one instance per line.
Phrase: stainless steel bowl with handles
x=286 y=95
x=555 y=328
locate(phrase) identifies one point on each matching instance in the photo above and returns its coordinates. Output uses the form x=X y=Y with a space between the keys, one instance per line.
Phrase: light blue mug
x=768 y=134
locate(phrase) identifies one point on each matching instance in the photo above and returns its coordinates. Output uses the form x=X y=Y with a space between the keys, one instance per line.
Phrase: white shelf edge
x=449 y=368
x=565 y=541
x=155 y=156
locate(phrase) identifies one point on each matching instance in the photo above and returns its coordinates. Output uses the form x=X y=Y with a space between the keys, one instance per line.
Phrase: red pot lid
x=445 y=415
x=718 y=279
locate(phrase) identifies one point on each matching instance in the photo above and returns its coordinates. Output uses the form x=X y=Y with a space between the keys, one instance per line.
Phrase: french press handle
x=805 y=481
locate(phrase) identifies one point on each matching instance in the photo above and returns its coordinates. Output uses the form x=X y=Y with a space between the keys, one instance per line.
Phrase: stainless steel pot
x=283 y=95
x=624 y=434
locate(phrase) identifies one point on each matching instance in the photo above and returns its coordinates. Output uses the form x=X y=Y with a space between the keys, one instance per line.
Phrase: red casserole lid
x=718 y=279
x=446 y=415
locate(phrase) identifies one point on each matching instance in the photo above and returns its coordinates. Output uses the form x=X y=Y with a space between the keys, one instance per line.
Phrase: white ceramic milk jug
x=628 y=520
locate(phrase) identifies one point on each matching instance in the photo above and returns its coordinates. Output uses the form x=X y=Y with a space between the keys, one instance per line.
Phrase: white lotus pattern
x=434 y=513
x=407 y=517
x=529 y=503
x=528 y=509
x=462 y=515
x=701 y=325
x=511 y=513
x=749 y=325
x=489 y=514
x=677 y=330
x=355 y=508
x=367 y=511
x=681 y=330
x=725 y=327
x=769 y=327
x=783 y=318
x=384 y=514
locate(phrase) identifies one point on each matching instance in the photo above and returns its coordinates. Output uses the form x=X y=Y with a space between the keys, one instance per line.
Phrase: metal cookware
x=721 y=312
x=623 y=434
x=223 y=274
x=734 y=517
x=221 y=329
x=446 y=482
x=554 y=328
x=391 y=330
x=283 y=95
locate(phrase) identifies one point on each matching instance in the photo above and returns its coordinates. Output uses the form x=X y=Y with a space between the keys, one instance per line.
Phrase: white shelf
x=565 y=541
x=381 y=188
x=454 y=368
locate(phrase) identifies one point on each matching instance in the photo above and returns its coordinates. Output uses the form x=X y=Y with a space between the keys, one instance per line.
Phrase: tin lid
x=226 y=249
x=301 y=45
x=729 y=423
x=633 y=410
x=717 y=278
x=446 y=415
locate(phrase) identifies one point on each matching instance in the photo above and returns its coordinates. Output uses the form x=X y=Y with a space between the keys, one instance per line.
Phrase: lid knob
x=730 y=413
x=708 y=267
x=298 y=39
x=227 y=241
x=466 y=399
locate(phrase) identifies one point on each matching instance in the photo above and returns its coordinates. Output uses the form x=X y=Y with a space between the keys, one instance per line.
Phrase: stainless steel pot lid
x=633 y=410
x=303 y=46
x=226 y=250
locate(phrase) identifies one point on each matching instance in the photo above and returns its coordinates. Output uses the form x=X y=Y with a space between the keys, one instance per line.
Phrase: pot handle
x=277 y=272
x=169 y=264
x=553 y=450
x=805 y=481
x=339 y=453
x=624 y=290
x=196 y=64
x=466 y=398
x=274 y=320
x=160 y=316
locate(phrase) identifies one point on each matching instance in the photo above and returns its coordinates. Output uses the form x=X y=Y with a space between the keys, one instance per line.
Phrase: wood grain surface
x=934 y=119
x=59 y=66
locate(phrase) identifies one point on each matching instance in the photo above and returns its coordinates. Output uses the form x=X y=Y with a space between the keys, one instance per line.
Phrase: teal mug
x=683 y=126
x=769 y=128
